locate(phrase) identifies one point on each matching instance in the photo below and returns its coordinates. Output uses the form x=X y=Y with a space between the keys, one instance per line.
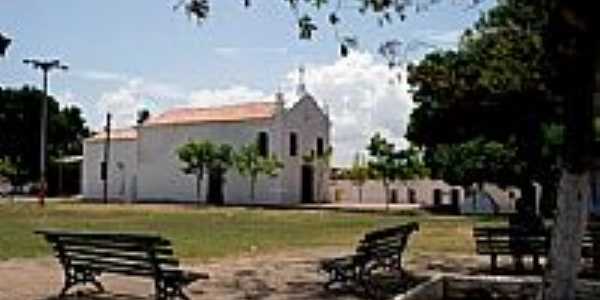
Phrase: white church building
x=143 y=164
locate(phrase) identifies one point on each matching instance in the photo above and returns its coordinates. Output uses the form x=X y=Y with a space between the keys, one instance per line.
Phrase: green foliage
x=476 y=161
x=200 y=157
x=251 y=164
x=7 y=168
x=20 y=130
x=492 y=91
x=412 y=164
x=197 y=156
x=223 y=157
x=383 y=12
x=383 y=161
x=389 y=165
x=359 y=172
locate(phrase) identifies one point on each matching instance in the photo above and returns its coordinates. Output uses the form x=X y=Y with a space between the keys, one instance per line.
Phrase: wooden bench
x=378 y=251
x=518 y=243
x=515 y=242
x=84 y=256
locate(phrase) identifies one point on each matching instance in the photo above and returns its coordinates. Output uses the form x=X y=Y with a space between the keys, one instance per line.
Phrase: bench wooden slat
x=102 y=235
x=115 y=247
x=85 y=255
x=102 y=253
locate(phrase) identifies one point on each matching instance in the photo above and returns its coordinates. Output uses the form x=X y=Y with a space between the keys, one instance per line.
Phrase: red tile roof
x=227 y=113
x=115 y=134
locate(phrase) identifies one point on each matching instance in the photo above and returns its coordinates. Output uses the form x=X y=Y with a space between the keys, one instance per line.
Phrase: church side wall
x=162 y=179
x=121 y=170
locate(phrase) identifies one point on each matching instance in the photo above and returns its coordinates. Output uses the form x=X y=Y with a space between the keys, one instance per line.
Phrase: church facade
x=144 y=166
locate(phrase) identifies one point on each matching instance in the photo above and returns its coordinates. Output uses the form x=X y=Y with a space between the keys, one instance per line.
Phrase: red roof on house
x=115 y=134
x=227 y=113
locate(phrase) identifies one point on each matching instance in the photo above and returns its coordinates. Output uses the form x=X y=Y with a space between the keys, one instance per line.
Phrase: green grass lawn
x=207 y=233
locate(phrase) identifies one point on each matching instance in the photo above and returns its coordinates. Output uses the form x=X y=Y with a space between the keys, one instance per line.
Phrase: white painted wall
x=121 y=170
x=161 y=176
x=374 y=192
x=308 y=121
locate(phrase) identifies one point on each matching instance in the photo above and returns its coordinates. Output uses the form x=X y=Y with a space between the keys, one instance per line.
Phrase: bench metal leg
x=494 y=263
x=536 y=263
x=166 y=290
x=99 y=286
x=518 y=262
x=63 y=291
x=595 y=254
x=77 y=275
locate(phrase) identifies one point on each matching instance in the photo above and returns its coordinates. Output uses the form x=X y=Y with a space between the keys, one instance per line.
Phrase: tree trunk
x=565 y=253
x=252 y=185
x=360 y=194
x=386 y=188
x=198 y=190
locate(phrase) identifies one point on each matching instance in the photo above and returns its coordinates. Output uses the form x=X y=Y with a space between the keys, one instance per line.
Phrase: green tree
x=197 y=157
x=497 y=73
x=411 y=165
x=384 y=163
x=7 y=169
x=250 y=163
x=389 y=164
x=221 y=161
x=530 y=61
x=359 y=174
x=20 y=112
x=476 y=161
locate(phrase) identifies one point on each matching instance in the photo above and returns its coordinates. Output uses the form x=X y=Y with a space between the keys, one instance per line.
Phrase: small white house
x=144 y=166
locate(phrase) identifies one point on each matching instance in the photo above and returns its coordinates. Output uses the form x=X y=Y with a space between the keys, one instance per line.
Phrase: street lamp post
x=46 y=66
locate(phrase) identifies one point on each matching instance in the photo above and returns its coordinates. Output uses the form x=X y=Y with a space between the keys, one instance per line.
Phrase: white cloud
x=364 y=97
x=230 y=95
x=97 y=75
x=124 y=102
x=68 y=98
x=232 y=51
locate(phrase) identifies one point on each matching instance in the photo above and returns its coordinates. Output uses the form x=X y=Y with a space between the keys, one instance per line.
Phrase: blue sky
x=125 y=55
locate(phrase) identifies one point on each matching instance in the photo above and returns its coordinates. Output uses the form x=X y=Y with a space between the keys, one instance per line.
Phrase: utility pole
x=105 y=163
x=46 y=66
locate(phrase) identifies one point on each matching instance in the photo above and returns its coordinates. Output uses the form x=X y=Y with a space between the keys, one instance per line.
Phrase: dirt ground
x=289 y=275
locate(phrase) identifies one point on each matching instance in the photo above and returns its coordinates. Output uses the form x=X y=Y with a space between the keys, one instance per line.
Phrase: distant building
x=144 y=165
x=428 y=193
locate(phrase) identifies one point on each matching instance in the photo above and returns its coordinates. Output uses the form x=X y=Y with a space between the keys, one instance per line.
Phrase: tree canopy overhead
x=383 y=12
